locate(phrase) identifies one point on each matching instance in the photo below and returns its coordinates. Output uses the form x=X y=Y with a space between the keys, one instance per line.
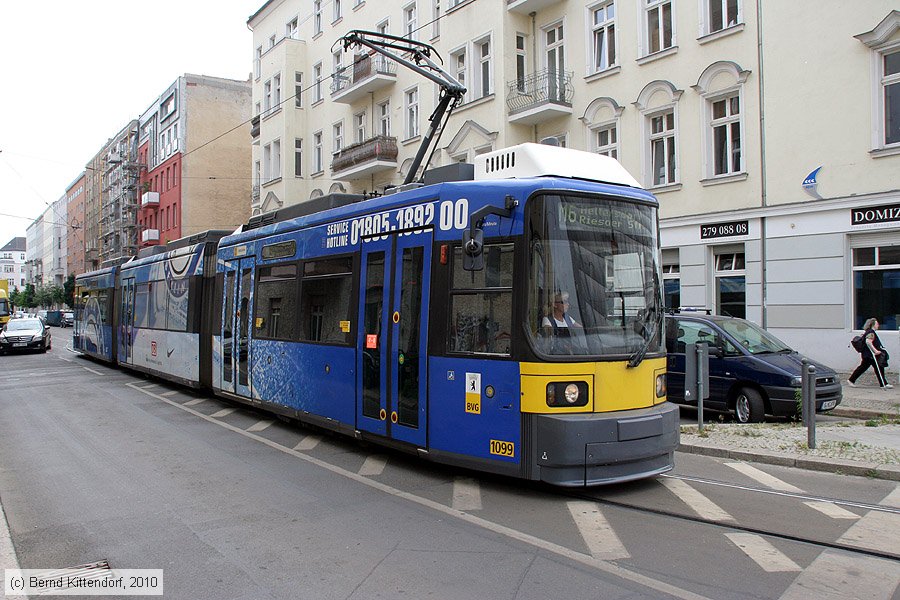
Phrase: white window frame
x=521 y=61
x=411 y=112
x=606 y=30
x=337 y=12
x=726 y=6
x=459 y=68
x=665 y=98
x=882 y=42
x=317 y=86
x=485 y=66
x=666 y=136
x=650 y=10
x=436 y=18
x=886 y=81
x=609 y=147
x=359 y=127
x=298 y=89
x=267 y=163
x=292 y=29
x=383 y=26
x=727 y=267
x=318 y=157
x=257 y=63
x=317 y=17
x=267 y=96
x=272 y=41
x=384 y=118
x=721 y=80
x=276 y=159
x=276 y=91
x=298 y=157
x=337 y=137
x=726 y=122
x=410 y=21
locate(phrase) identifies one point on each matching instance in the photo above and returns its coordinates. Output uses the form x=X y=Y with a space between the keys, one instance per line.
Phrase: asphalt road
x=101 y=464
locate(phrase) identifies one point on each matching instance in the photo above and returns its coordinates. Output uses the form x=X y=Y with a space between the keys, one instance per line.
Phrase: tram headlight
x=567 y=394
x=661 y=385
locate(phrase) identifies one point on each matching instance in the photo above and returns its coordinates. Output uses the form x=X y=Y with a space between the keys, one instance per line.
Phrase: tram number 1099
x=502 y=448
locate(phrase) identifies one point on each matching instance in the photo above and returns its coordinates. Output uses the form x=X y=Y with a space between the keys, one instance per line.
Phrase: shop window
x=876 y=286
x=671 y=279
x=731 y=284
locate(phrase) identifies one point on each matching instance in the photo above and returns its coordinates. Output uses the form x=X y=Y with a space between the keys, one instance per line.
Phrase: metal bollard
x=804 y=392
x=811 y=407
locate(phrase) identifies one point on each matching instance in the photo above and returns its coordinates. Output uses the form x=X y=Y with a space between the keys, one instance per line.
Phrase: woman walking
x=873 y=355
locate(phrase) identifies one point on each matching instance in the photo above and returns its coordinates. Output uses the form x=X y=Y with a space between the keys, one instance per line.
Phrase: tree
x=69 y=289
x=57 y=295
x=15 y=297
x=28 y=296
x=43 y=296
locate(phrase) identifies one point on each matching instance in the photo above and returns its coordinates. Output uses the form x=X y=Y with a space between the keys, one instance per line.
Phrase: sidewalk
x=868 y=448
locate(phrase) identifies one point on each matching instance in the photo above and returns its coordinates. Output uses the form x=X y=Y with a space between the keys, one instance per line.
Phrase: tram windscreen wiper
x=638 y=356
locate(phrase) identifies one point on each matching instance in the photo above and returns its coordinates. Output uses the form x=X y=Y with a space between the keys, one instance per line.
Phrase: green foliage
x=69 y=290
x=28 y=300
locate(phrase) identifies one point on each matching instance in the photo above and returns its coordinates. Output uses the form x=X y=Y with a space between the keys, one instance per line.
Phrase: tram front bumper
x=601 y=448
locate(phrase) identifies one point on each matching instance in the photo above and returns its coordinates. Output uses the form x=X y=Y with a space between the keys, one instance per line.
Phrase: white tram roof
x=535 y=160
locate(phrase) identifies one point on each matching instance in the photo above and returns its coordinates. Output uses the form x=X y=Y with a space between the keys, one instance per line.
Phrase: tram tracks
x=596 y=495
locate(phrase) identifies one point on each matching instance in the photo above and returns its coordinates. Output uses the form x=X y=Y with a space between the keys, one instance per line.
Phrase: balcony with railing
x=364 y=158
x=367 y=74
x=149 y=236
x=538 y=97
x=528 y=6
x=254 y=129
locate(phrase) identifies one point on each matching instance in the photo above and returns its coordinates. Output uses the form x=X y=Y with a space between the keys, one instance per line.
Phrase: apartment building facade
x=12 y=263
x=191 y=179
x=46 y=246
x=75 y=230
x=726 y=109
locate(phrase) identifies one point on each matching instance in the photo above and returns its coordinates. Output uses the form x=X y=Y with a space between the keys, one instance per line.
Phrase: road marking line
x=222 y=413
x=596 y=531
x=832 y=510
x=260 y=426
x=8 y=558
x=767 y=556
x=833 y=576
x=373 y=465
x=579 y=557
x=466 y=494
x=68 y=360
x=699 y=503
x=763 y=477
x=875 y=531
x=169 y=394
x=93 y=371
x=308 y=443
x=194 y=402
x=149 y=386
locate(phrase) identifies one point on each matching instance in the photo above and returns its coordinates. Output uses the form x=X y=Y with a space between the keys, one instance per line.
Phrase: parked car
x=25 y=334
x=751 y=372
x=54 y=318
x=68 y=319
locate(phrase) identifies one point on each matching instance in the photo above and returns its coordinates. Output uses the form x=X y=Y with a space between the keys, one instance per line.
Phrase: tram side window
x=481 y=303
x=275 y=314
x=142 y=305
x=179 y=303
x=103 y=300
x=157 y=310
x=325 y=294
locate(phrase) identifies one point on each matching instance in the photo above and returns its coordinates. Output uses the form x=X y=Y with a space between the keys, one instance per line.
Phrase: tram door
x=393 y=331
x=236 y=327
x=126 y=334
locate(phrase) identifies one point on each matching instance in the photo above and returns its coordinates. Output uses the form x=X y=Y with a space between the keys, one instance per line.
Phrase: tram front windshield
x=594 y=277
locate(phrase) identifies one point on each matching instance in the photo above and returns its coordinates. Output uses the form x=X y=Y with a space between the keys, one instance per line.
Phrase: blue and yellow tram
x=530 y=349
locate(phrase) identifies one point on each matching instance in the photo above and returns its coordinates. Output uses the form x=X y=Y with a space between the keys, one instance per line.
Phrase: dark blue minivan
x=751 y=372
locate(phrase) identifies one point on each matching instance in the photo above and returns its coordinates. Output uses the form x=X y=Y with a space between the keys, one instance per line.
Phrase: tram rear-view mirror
x=473 y=246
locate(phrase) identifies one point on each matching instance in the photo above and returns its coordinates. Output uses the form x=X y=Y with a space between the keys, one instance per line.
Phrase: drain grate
x=95 y=571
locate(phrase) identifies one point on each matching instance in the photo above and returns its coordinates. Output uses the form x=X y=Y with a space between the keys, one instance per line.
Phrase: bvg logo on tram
x=473 y=393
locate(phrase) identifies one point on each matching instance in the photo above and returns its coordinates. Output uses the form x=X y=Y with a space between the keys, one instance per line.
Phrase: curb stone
x=810 y=463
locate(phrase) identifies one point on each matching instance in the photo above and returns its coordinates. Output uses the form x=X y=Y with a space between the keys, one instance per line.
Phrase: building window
x=317 y=153
x=659 y=31
x=731 y=288
x=317 y=87
x=298 y=89
x=726 y=135
x=458 y=66
x=267 y=163
x=336 y=12
x=359 y=127
x=337 y=134
x=317 y=17
x=257 y=173
x=876 y=285
x=298 y=157
x=384 y=118
x=267 y=95
x=272 y=161
x=603 y=37
x=520 y=62
x=276 y=91
x=890 y=83
x=383 y=26
x=606 y=141
x=290 y=30
x=409 y=21
x=722 y=14
x=662 y=148
x=412 y=112
x=257 y=62
x=436 y=17
x=671 y=279
x=483 y=53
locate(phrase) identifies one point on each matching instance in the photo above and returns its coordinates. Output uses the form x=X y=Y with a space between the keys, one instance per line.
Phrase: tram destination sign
x=720 y=230
x=889 y=213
